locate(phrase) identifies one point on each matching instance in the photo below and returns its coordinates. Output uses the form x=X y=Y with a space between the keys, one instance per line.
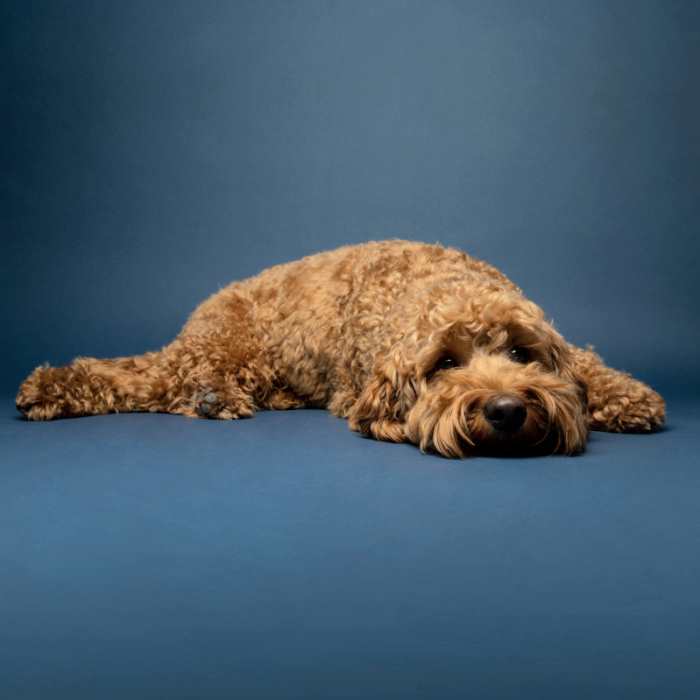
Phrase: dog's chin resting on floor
x=410 y=342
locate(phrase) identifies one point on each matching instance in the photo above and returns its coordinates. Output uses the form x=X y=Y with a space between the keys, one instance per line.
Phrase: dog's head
x=475 y=373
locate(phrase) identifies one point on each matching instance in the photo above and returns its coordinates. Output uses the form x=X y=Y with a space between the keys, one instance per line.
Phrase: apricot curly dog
x=410 y=342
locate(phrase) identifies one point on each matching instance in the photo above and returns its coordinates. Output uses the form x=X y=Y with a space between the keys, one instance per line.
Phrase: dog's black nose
x=505 y=412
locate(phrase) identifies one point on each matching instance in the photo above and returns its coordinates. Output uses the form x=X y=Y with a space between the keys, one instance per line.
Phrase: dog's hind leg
x=617 y=402
x=90 y=386
x=212 y=380
x=219 y=362
x=182 y=378
x=215 y=368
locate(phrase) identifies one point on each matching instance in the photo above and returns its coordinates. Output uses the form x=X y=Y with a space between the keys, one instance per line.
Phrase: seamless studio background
x=152 y=152
x=155 y=151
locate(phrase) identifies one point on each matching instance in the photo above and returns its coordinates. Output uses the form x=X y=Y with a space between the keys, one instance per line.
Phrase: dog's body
x=410 y=342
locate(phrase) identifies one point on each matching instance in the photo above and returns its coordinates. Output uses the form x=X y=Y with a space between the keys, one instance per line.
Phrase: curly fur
x=359 y=330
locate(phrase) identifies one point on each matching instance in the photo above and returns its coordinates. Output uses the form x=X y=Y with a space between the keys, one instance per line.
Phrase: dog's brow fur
x=357 y=330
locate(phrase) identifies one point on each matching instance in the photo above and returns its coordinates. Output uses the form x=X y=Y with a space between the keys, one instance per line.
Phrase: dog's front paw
x=639 y=411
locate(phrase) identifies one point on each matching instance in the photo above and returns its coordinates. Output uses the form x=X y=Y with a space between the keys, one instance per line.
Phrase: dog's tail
x=90 y=386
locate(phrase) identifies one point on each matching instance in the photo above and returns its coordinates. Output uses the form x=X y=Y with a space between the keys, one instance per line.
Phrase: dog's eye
x=445 y=362
x=519 y=354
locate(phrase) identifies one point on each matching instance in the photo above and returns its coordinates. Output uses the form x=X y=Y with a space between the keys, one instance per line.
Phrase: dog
x=410 y=342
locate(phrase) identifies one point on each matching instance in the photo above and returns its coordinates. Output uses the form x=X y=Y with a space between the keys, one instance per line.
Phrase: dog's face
x=486 y=374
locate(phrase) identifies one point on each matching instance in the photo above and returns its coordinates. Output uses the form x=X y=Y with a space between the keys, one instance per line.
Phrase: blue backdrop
x=154 y=151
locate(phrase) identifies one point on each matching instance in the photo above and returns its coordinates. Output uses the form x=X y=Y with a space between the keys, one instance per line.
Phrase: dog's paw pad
x=207 y=404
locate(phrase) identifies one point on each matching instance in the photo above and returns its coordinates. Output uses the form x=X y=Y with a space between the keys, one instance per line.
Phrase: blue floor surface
x=152 y=556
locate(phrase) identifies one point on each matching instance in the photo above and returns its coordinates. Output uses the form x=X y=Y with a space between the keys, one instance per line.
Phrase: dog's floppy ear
x=567 y=364
x=381 y=408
